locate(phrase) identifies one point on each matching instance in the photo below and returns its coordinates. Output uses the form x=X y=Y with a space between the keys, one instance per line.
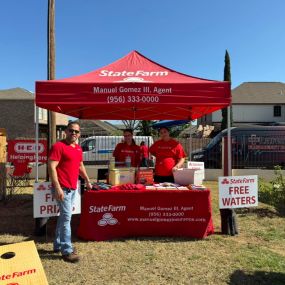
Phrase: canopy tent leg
x=40 y=223
x=229 y=225
x=190 y=142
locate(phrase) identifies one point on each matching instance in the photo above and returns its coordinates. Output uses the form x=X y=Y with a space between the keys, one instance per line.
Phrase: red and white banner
x=46 y=206
x=238 y=191
x=20 y=151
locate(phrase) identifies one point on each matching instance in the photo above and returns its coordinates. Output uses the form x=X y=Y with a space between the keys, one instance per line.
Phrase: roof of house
x=96 y=127
x=16 y=94
x=259 y=93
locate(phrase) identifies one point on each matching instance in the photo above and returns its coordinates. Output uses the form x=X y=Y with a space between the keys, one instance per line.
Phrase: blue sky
x=188 y=36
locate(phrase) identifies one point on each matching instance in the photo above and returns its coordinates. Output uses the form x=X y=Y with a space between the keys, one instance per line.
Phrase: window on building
x=277 y=111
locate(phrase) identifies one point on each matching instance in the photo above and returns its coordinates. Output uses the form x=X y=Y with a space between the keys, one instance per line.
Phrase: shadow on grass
x=153 y=239
x=259 y=212
x=257 y=278
x=49 y=254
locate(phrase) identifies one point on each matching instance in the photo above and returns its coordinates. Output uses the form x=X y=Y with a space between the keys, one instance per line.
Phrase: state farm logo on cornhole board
x=20 y=264
x=238 y=191
x=45 y=204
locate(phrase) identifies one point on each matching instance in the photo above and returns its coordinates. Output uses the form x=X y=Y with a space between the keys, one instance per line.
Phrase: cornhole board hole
x=20 y=264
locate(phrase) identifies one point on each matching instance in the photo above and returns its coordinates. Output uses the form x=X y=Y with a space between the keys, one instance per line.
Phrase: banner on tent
x=238 y=191
x=46 y=206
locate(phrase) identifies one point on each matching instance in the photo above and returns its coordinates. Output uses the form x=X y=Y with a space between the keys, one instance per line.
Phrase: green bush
x=273 y=192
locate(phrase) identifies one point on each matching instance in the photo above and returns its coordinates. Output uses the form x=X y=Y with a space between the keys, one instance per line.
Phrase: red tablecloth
x=116 y=214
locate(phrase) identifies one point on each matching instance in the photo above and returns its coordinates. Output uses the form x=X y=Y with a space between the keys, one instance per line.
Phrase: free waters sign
x=238 y=191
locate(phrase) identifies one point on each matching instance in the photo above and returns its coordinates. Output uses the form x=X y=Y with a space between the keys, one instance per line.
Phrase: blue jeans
x=62 y=239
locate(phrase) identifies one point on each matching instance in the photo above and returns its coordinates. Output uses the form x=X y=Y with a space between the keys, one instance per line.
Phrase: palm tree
x=131 y=124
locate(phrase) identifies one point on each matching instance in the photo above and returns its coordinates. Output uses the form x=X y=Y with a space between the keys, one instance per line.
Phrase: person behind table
x=144 y=154
x=169 y=155
x=65 y=165
x=127 y=148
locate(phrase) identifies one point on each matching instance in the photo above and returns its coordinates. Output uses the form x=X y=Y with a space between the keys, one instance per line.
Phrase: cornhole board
x=20 y=264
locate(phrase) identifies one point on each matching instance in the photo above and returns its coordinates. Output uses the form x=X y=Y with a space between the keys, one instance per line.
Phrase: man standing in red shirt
x=128 y=148
x=169 y=155
x=144 y=154
x=65 y=164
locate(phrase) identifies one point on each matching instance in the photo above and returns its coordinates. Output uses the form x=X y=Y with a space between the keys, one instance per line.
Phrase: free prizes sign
x=238 y=191
x=46 y=206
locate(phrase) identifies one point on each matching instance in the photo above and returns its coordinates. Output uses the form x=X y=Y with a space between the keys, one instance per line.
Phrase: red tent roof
x=133 y=87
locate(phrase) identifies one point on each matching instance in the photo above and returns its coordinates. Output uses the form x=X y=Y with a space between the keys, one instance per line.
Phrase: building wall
x=17 y=117
x=252 y=114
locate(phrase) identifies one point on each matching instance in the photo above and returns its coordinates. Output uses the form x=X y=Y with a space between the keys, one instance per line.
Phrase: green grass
x=255 y=256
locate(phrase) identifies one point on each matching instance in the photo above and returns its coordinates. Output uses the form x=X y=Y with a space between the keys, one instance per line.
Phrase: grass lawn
x=255 y=256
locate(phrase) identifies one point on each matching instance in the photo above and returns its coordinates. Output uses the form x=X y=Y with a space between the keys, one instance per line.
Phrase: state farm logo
x=107 y=219
x=43 y=187
x=225 y=181
x=133 y=79
x=133 y=74
x=239 y=180
x=25 y=147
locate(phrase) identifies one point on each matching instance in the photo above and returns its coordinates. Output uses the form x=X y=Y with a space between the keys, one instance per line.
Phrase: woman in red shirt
x=127 y=148
x=169 y=155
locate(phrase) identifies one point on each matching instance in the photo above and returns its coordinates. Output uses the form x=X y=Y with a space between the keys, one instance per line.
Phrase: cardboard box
x=186 y=176
x=144 y=176
x=120 y=176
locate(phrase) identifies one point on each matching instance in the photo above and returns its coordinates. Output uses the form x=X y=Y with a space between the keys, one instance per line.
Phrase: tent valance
x=133 y=87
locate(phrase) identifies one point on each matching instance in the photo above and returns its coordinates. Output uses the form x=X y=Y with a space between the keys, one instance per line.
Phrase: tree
x=227 y=77
x=145 y=129
x=131 y=124
x=229 y=224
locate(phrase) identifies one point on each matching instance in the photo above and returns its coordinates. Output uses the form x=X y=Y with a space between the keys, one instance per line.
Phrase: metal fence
x=248 y=151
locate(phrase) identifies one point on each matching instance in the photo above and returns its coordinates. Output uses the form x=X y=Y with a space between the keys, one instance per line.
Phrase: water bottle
x=128 y=161
x=112 y=163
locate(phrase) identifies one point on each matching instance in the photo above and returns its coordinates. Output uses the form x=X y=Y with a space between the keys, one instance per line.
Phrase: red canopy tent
x=133 y=87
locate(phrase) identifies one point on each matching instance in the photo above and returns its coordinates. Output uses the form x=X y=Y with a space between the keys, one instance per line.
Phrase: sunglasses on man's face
x=73 y=131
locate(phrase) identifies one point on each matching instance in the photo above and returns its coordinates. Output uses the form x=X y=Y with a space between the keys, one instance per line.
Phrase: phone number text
x=133 y=99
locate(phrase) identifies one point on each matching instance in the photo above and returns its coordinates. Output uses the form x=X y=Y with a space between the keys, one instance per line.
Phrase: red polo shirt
x=69 y=159
x=144 y=151
x=167 y=154
x=123 y=150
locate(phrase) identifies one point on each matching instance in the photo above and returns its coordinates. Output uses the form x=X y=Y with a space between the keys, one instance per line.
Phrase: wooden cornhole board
x=25 y=268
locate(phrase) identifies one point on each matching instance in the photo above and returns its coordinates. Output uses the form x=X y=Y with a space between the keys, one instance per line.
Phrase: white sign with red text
x=46 y=206
x=199 y=165
x=238 y=191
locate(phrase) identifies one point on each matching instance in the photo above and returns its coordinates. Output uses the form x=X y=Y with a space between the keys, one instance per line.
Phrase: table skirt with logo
x=116 y=214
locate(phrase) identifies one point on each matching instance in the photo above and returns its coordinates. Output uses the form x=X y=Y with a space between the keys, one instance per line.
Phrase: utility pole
x=41 y=223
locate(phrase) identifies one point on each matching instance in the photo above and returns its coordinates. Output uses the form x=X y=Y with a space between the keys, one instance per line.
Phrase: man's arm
x=52 y=164
x=83 y=174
